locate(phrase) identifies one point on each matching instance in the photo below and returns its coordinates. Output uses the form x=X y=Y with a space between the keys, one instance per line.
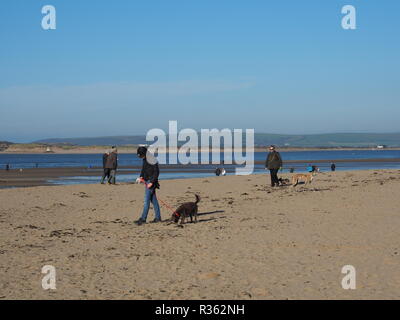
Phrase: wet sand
x=40 y=176
x=251 y=242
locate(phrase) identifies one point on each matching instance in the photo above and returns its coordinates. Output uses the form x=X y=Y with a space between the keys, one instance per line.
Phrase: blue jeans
x=150 y=196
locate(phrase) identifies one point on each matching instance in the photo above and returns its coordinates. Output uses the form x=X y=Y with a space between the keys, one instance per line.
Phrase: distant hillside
x=4 y=145
x=333 y=140
x=97 y=141
x=330 y=140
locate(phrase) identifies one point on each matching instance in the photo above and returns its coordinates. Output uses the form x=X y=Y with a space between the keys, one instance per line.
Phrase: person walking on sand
x=273 y=163
x=106 y=171
x=149 y=176
x=333 y=167
x=112 y=164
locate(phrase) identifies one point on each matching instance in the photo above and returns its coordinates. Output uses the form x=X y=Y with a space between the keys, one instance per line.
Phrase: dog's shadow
x=201 y=220
x=208 y=213
x=211 y=212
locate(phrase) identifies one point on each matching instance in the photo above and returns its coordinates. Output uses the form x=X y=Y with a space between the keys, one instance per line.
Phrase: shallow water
x=95 y=160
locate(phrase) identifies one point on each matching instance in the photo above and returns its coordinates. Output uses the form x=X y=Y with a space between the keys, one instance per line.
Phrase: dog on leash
x=188 y=209
x=306 y=178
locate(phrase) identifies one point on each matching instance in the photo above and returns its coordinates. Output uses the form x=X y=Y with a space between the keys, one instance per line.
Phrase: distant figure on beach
x=273 y=164
x=7 y=167
x=112 y=164
x=149 y=176
x=106 y=171
x=220 y=172
x=291 y=170
x=312 y=169
x=37 y=165
x=333 y=167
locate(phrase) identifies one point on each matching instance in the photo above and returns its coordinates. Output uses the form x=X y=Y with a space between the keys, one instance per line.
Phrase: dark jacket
x=150 y=172
x=274 y=160
x=105 y=156
x=112 y=161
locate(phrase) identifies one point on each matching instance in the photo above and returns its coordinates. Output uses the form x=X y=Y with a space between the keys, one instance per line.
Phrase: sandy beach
x=251 y=242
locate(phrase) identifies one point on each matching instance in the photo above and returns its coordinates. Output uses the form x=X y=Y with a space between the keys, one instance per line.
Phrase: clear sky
x=125 y=66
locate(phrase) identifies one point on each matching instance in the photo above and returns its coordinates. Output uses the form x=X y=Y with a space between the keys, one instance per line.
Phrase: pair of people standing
x=273 y=164
x=110 y=165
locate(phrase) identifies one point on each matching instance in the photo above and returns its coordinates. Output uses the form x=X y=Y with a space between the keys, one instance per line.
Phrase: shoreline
x=28 y=177
x=132 y=150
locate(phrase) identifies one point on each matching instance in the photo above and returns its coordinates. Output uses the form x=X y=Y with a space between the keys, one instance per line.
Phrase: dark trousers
x=274 y=177
x=106 y=174
x=113 y=174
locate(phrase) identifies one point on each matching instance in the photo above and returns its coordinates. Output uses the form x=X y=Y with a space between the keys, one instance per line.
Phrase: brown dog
x=307 y=178
x=188 y=209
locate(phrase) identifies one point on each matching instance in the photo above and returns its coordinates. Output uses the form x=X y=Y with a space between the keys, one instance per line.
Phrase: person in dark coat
x=112 y=164
x=273 y=164
x=106 y=171
x=149 y=176
x=333 y=167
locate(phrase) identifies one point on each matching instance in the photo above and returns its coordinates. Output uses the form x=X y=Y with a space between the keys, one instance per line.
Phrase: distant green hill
x=97 y=141
x=332 y=140
x=4 y=145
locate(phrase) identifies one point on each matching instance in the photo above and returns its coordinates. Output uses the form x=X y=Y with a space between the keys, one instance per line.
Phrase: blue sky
x=123 y=67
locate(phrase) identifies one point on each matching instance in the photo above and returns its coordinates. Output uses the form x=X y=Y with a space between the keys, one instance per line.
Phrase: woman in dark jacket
x=106 y=172
x=149 y=176
x=273 y=163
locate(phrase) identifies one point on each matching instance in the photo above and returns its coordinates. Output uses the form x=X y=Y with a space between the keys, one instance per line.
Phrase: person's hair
x=141 y=151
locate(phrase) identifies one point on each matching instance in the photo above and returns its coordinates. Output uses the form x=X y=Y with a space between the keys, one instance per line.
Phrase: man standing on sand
x=149 y=176
x=273 y=163
x=106 y=172
x=112 y=165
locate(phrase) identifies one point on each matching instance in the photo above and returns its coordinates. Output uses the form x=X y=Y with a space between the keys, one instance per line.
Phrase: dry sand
x=252 y=241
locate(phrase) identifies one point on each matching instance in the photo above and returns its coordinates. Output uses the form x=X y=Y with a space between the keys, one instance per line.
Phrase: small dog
x=188 y=209
x=307 y=178
x=283 y=182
